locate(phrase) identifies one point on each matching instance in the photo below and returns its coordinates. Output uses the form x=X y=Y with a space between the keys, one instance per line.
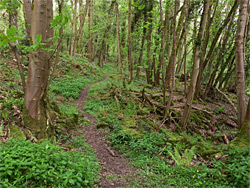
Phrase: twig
x=230 y=102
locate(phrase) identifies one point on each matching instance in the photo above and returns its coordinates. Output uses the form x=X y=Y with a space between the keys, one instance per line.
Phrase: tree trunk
x=27 y=13
x=240 y=59
x=82 y=21
x=163 y=47
x=105 y=36
x=90 y=48
x=118 y=39
x=173 y=59
x=36 y=115
x=149 y=42
x=130 y=60
x=142 y=46
x=74 y=25
x=195 y=72
x=212 y=47
x=243 y=137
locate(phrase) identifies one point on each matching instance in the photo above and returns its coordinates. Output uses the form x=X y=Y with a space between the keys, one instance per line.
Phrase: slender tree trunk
x=185 y=50
x=142 y=46
x=80 y=31
x=240 y=59
x=36 y=115
x=105 y=36
x=90 y=48
x=195 y=72
x=163 y=47
x=214 y=42
x=74 y=25
x=27 y=12
x=130 y=60
x=118 y=40
x=173 y=59
x=149 y=42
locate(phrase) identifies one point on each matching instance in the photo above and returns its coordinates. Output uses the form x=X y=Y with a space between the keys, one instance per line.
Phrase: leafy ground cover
x=133 y=127
x=165 y=158
x=25 y=164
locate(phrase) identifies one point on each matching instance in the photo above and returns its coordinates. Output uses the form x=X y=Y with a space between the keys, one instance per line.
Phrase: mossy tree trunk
x=243 y=137
x=36 y=113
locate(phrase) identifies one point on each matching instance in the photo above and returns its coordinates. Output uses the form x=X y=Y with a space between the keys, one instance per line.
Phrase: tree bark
x=240 y=59
x=118 y=40
x=195 y=72
x=130 y=60
x=212 y=47
x=105 y=36
x=173 y=59
x=79 y=34
x=36 y=115
x=27 y=12
x=74 y=25
x=90 y=48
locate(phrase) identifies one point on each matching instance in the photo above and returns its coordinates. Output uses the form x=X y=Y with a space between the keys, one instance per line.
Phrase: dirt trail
x=115 y=167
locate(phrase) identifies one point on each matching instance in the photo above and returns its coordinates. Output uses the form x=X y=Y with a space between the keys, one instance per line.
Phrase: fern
x=184 y=159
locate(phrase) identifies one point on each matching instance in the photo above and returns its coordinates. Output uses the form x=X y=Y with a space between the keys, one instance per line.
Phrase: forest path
x=115 y=169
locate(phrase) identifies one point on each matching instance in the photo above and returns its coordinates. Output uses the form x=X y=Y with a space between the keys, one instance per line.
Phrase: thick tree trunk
x=37 y=117
x=195 y=72
x=240 y=59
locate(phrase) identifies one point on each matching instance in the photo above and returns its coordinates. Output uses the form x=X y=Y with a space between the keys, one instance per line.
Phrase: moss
x=16 y=132
x=243 y=137
x=130 y=123
x=102 y=125
x=131 y=132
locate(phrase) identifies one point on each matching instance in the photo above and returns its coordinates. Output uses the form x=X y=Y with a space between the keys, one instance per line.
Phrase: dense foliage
x=25 y=164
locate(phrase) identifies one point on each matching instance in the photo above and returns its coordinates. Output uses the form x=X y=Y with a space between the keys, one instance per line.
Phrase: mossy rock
x=16 y=132
x=130 y=123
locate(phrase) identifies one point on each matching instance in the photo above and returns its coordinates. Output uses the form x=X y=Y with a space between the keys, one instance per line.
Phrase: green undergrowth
x=76 y=75
x=166 y=159
x=25 y=164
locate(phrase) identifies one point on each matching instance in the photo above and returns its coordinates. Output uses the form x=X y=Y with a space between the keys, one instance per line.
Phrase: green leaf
x=11 y=31
x=38 y=39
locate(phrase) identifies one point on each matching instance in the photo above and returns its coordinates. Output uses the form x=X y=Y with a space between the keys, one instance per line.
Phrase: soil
x=115 y=168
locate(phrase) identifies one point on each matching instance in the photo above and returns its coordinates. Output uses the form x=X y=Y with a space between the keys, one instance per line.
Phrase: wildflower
x=194 y=176
x=198 y=177
x=44 y=181
x=169 y=173
x=145 y=164
x=197 y=171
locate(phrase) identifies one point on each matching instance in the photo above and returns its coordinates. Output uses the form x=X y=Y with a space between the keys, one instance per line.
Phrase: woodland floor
x=113 y=164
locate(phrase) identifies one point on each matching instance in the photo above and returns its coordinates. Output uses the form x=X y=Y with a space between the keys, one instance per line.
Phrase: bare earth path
x=114 y=165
